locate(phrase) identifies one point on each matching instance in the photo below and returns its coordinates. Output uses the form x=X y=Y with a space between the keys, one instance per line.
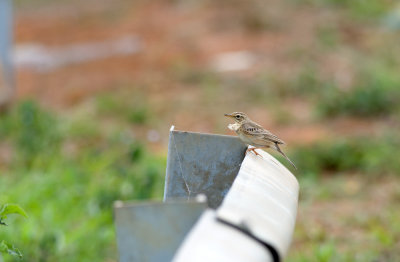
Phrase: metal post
x=6 y=65
x=201 y=164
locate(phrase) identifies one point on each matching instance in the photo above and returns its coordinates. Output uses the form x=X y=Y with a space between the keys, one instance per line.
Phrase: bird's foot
x=253 y=149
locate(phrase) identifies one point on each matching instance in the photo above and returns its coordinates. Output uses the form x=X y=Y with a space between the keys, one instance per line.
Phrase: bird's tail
x=283 y=154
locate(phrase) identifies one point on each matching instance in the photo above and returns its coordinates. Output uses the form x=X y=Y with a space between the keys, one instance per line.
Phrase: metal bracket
x=153 y=231
x=201 y=163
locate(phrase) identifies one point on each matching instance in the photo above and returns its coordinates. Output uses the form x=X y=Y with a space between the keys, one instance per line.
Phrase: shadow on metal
x=201 y=163
x=153 y=231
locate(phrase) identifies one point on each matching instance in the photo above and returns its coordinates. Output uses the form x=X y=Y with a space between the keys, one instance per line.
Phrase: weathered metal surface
x=202 y=163
x=151 y=232
x=261 y=207
x=6 y=38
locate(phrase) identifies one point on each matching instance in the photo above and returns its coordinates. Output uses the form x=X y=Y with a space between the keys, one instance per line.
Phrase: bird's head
x=239 y=117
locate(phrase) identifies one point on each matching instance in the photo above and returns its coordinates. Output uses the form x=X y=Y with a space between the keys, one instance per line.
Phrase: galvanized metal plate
x=152 y=232
x=202 y=163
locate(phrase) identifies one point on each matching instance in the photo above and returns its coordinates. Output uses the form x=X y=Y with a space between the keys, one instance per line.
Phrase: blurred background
x=99 y=83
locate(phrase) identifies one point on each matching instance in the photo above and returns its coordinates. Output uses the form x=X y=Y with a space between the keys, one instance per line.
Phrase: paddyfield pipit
x=255 y=135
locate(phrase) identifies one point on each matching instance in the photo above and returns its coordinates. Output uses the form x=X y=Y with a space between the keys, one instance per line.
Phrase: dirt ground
x=175 y=35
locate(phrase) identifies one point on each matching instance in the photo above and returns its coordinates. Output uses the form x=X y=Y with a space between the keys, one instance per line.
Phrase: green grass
x=66 y=174
x=375 y=93
x=359 y=9
x=132 y=108
x=362 y=154
x=328 y=35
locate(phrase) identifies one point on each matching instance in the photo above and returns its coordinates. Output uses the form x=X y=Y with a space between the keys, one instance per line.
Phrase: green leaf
x=11 y=209
x=9 y=249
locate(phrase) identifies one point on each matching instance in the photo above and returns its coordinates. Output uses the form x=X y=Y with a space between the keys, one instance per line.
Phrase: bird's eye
x=237 y=117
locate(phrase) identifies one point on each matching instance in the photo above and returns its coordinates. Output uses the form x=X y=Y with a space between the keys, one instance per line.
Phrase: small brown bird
x=255 y=135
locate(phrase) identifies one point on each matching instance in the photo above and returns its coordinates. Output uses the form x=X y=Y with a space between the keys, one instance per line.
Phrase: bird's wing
x=257 y=132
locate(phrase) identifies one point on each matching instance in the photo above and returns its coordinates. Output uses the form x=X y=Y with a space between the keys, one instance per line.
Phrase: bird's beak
x=228 y=115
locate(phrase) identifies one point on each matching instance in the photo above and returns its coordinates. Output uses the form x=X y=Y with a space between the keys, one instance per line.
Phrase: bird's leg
x=255 y=152
x=253 y=149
